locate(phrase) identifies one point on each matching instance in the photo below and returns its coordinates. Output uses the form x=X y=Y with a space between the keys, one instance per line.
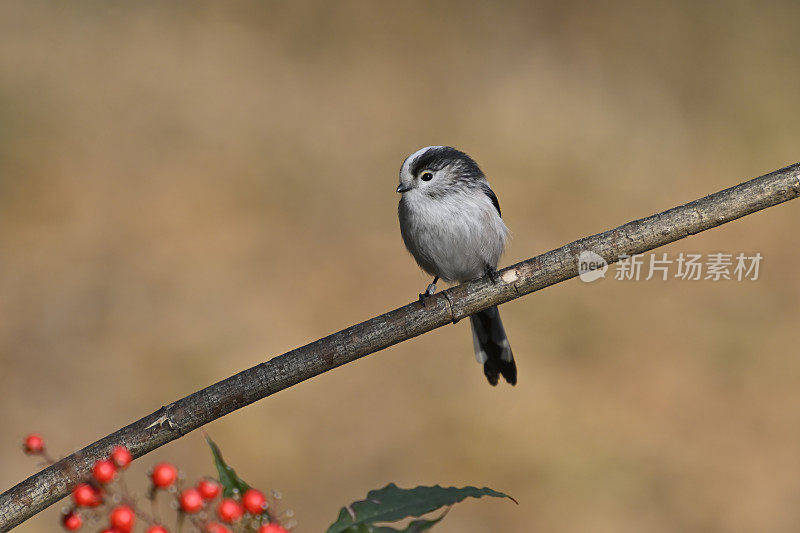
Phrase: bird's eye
x=427 y=176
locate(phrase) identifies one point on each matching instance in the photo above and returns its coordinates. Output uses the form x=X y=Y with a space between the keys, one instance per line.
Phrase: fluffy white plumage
x=450 y=222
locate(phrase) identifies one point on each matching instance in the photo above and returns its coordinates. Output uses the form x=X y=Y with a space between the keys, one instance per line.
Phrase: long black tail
x=491 y=346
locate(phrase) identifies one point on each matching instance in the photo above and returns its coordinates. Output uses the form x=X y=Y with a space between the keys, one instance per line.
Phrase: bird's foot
x=492 y=273
x=428 y=292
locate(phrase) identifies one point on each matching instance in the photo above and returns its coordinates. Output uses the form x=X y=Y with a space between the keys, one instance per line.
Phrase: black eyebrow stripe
x=438 y=158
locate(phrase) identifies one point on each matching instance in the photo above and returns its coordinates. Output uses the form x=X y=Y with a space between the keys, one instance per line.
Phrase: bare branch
x=187 y=414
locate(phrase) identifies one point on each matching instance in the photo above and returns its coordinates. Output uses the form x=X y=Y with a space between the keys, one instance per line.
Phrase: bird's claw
x=428 y=292
x=492 y=273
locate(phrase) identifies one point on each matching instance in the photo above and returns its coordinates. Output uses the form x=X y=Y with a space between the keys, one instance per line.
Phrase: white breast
x=456 y=236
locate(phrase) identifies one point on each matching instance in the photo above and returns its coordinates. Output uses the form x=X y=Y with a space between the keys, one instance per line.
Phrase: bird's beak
x=403 y=188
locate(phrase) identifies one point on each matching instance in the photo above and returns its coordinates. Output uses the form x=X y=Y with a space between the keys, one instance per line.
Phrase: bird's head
x=438 y=170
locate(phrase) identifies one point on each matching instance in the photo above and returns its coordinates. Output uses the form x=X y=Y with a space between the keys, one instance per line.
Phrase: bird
x=451 y=224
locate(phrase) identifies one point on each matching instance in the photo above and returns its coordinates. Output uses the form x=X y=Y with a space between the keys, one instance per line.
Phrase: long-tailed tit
x=450 y=222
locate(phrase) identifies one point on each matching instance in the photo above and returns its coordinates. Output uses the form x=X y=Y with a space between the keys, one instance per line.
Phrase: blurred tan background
x=190 y=188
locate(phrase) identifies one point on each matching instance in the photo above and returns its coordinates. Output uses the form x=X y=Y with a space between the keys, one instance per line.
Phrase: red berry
x=164 y=475
x=104 y=471
x=272 y=527
x=209 y=489
x=191 y=501
x=72 y=521
x=122 y=518
x=214 y=527
x=157 y=529
x=254 y=501
x=34 y=444
x=111 y=530
x=85 y=495
x=121 y=456
x=229 y=510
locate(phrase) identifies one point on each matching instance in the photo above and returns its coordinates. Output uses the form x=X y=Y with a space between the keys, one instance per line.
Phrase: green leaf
x=391 y=504
x=231 y=483
x=417 y=526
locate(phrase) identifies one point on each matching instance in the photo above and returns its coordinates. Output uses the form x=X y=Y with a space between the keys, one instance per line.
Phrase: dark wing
x=492 y=196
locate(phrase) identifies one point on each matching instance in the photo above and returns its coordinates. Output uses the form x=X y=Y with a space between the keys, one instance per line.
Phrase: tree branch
x=176 y=419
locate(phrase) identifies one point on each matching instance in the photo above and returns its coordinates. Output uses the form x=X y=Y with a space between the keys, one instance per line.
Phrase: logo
x=591 y=266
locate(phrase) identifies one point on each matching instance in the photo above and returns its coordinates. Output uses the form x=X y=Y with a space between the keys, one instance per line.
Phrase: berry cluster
x=203 y=507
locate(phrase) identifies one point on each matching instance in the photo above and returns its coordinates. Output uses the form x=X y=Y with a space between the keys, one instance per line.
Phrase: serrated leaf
x=417 y=526
x=231 y=483
x=392 y=503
